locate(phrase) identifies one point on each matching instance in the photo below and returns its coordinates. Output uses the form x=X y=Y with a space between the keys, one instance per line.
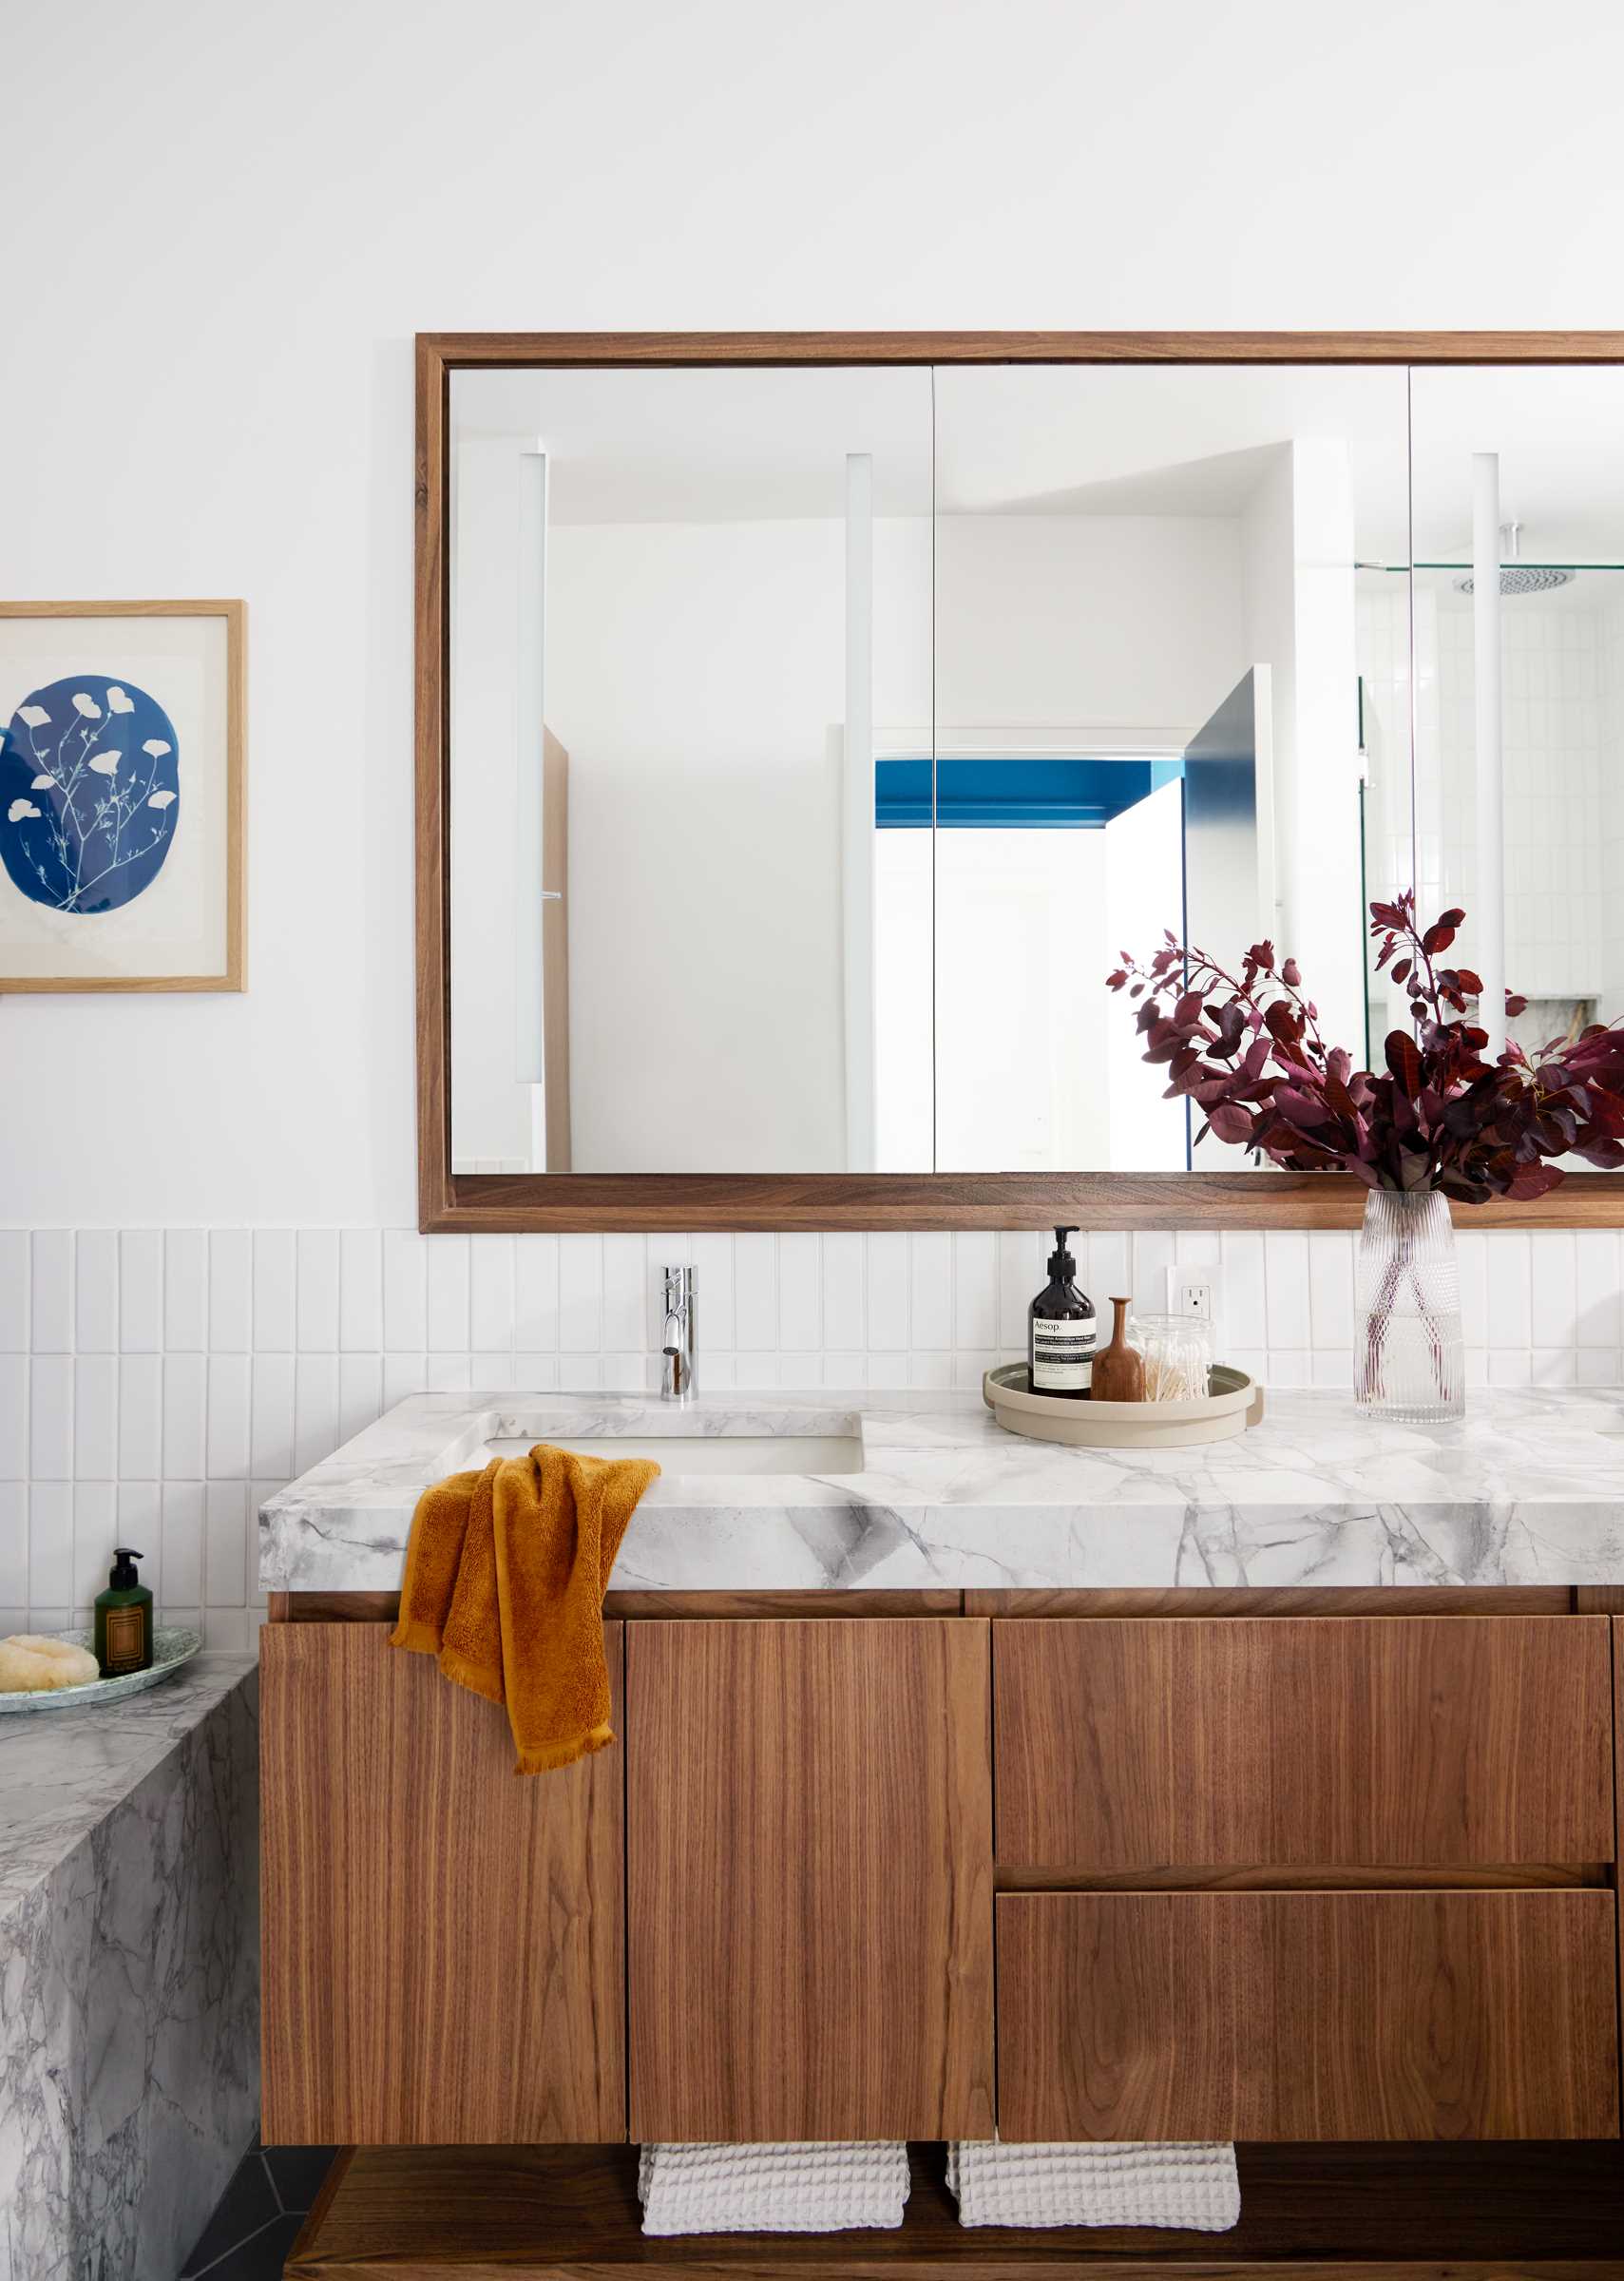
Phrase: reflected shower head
x=1521 y=578
x=1517 y=577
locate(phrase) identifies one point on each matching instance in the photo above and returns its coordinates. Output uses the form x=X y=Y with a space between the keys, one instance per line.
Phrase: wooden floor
x=1480 y=2213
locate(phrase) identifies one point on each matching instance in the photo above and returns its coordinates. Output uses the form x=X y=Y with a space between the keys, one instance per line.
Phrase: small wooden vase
x=1119 y=1370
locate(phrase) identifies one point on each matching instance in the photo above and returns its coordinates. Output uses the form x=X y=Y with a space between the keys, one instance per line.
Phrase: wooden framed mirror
x=805 y=722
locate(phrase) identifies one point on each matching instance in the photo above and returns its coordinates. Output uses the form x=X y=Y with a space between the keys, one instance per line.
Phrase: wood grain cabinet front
x=810 y=1857
x=443 y=1942
x=1306 y=2016
x=1133 y=1745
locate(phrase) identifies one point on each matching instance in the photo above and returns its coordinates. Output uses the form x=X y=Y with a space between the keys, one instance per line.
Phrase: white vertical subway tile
x=450 y=1373
x=447 y=1291
x=360 y=1392
x=713 y=1289
x=316 y=1410
x=1153 y=1254
x=14 y=1545
x=1104 y=1271
x=228 y=1396
x=535 y=1374
x=271 y=1440
x=13 y=1417
x=183 y=1548
x=95 y=1533
x=843 y=1314
x=886 y=1261
x=1553 y=1287
x=1510 y=1307
x=361 y=1287
x=1330 y=1289
x=490 y=1291
x=844 y=1368
x=1472 y=1258
x=1332 y=1368
x=226 y=1631
x=931 y=1374
x=141 y=1526
x=404 y=1375
x=50 y=1418
x=535 y=1294
x=1199 y=1247
x=140 y=1290
x=975 y=1289
x=187 y=1284
x=275 y=1281
x=315 y=1275
x=53 y=1283
x=184 y=1412
x=756 y=1297
x=50 y=1545
x=406 y=1291
x=625 y=1372
x=490 y=1369
x=1290 y=1367
x=14 y=1307
x=231 y=1290
x=930 y=1291
x=969 y=1368
x=1507 y=1368
x=96 y=1418
x=140 y=1417
x=1597 y=1287
x=1245 y=1313
x=96 y=1290
x=627 y=1305
x=1020 y=1279
x=800 y=1299
x=1595 y=1366
x=1286 y=1289
x=579 y=1293
x=1554 y=1366
x=225 y=1545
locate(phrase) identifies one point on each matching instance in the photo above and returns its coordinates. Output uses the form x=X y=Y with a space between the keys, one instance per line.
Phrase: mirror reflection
x=820 y=737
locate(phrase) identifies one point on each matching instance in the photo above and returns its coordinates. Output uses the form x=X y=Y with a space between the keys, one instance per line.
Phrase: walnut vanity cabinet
x=809 y=1855
x=443 y=1942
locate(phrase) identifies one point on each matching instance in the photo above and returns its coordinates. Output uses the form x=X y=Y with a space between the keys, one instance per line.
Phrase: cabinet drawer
x=1415 y=1741
x=1304 y=2016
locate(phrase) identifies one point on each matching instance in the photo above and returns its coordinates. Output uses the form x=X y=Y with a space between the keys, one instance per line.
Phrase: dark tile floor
x=258 y=2215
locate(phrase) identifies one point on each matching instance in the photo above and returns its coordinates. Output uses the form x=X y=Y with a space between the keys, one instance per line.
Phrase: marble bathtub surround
x=129 y=1969
x=1528 y=1489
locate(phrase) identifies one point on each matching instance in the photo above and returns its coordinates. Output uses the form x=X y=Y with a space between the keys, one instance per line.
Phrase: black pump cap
x=1060 y=1260
x=123 y=1574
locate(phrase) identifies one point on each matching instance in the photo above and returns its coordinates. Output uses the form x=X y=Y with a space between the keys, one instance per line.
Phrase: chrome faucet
x=676 y=1369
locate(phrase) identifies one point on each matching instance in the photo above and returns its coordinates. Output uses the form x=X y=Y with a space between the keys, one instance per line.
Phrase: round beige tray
x=1233 y=1403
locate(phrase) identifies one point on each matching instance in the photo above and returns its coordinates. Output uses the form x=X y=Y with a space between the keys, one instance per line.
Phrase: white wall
x=209 y=391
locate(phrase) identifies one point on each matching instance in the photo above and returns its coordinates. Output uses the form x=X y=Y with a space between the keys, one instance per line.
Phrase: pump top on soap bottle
x=1060 y=1329
x=123 y=1618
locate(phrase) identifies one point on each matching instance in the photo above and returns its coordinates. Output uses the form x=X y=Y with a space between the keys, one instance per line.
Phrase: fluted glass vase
x=1409 y=1364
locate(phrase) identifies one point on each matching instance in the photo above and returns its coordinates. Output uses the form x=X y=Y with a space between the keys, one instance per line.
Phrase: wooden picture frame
x=227 y=820
x=504 y=1203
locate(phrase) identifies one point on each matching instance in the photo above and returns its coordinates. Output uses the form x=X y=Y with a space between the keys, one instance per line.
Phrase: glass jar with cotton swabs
x=1177 y=1351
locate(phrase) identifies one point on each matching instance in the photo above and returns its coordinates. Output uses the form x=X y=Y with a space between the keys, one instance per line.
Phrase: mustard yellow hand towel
x=505 y=1572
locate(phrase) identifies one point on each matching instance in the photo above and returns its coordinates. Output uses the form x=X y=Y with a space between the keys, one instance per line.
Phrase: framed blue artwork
x=120 y=795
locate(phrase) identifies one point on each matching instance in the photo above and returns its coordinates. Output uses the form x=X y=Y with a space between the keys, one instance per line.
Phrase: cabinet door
x=442 y=1941
x=1304 y=2016
x=1133 y=1744
x=809 y=1863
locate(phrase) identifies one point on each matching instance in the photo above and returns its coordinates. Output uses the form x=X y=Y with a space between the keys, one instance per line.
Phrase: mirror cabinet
x=807 y=727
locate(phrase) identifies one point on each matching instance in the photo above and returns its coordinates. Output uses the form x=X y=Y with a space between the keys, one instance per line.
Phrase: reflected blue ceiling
x=987 y=793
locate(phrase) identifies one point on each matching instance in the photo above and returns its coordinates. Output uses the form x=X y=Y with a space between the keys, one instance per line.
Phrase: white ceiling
x=722 y=445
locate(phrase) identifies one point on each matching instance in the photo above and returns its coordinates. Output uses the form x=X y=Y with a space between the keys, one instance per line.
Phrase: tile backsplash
x=156 y=1383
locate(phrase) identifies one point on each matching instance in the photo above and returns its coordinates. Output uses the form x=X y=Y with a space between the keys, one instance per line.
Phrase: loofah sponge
x=30 y=1663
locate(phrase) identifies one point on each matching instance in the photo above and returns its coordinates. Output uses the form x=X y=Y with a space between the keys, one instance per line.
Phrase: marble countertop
x=1528 y=1489
x=62 y=1773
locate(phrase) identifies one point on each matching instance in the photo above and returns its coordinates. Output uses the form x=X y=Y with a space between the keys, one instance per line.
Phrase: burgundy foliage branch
x=1247 y=1049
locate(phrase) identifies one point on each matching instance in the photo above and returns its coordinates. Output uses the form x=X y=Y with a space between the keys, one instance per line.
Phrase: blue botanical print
x=89 y=792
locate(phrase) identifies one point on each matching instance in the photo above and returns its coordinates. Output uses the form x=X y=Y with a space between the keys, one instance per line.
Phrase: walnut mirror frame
x=516 y=1201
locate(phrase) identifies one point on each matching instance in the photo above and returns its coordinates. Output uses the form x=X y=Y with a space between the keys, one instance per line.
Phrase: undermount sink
x=678 y=1452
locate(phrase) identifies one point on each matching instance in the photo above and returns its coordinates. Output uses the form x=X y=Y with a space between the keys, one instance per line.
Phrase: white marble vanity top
x=1529 y=1489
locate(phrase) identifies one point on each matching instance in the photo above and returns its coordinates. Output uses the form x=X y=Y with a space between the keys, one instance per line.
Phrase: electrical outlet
x=1194 y=1291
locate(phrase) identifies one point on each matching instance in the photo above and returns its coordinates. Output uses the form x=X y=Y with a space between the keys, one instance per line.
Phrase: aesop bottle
x=1061 y=1329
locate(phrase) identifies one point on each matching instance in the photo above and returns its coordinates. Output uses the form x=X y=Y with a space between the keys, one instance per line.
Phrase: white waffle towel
x=821 y=2189
x=1099 y=2183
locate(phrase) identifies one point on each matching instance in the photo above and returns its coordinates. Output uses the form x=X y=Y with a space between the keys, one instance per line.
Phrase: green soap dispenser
x=123 y=1618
